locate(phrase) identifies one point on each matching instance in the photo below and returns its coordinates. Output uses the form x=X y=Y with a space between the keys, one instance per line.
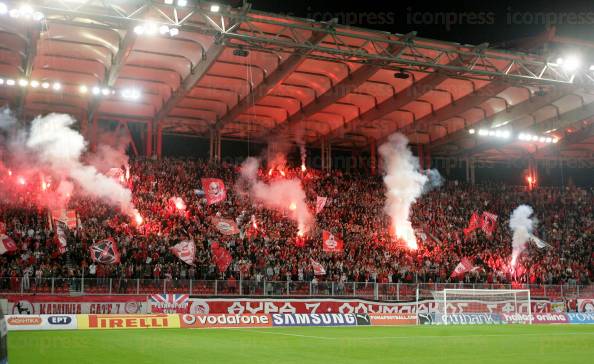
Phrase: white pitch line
x=285 y=334
x=414 y=337
x=473 y=335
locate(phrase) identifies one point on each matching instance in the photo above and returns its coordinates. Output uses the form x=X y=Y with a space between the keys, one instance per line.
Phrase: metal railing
x=368 y=290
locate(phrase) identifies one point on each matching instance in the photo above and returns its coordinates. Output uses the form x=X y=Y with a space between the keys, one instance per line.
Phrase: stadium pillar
x=149 y=139
x=93 y=133
x=420 y=156
x=472 y=171
x=215 y=146
x=326 y=154
x=533 y=172
x=159 y=141
x=373 y=157
x=428 y=156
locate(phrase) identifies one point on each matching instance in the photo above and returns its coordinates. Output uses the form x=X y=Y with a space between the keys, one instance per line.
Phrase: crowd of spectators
x=354 y=210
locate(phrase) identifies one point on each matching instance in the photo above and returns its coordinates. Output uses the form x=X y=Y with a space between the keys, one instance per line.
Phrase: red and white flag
x=489 y=223
x=319 y=269
x=462 y=268
x=473 y=224
x=320 y=203
x=60 y=237
x=7 y=245
x=225 y=226
x=68 y=217
x=185 y=251
x=220 y=256
x=332 y=243
x=105 y=252
x=214 y=190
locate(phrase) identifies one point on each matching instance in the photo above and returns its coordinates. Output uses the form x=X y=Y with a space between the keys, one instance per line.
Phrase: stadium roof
x=262 y=76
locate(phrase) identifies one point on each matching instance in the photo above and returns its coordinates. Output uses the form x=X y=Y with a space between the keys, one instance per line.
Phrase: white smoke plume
x=282 y=195
x=52 y=149
x=522 y=225
x=110 y=151
x=404 y=185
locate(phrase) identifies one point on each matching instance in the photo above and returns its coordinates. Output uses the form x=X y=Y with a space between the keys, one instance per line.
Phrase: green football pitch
x=412 y=344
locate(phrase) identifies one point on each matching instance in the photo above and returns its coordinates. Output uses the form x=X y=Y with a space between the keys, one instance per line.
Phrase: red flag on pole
x=214 y=190
x=7 y=245
x=320 y=203
x=221 y=257
x=105 y=252
x=319 y=269
x=185 y=251
x=464 y=266
x=489 y=223
x=473 y=224
x=332 y=243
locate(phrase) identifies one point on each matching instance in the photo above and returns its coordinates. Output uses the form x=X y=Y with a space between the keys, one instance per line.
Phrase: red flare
x=21 y=180
x=293 y=206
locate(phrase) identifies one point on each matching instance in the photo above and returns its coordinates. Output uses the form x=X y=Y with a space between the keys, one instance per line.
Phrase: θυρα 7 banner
x=115 y=322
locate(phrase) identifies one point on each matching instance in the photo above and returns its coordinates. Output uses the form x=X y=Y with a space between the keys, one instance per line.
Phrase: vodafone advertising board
x=224 y=321
x=70 y=305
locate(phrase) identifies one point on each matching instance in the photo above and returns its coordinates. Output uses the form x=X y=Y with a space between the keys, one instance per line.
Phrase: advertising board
x=119 y=322
x=41 y=322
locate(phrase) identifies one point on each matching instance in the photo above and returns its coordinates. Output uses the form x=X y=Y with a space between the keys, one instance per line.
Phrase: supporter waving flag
x=68 y=217
x=473 y=224
x=60 y=236
x=214 y=190
x=489 y=223
x=462 y=268
x=185 y=251
x=7 y=245
x=320 y=203
x=319 y=269
x=105 y=252
x=220 y=256
x=332 y=243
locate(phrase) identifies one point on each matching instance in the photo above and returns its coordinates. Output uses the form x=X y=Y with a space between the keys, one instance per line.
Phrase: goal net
x=476 y=306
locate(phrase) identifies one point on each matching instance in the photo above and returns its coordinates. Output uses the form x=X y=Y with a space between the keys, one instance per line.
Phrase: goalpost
x=457 y=304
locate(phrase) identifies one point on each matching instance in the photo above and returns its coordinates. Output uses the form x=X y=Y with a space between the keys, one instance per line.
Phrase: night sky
x=467 y=22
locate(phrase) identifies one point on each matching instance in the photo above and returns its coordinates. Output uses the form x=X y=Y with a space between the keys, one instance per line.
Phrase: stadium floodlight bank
x=454 y=306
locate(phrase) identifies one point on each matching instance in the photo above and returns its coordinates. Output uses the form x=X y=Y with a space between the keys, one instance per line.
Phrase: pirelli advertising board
x=121 y=322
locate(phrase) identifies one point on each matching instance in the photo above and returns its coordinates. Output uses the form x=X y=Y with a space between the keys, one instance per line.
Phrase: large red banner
x=48 y=304
x=254 y=306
